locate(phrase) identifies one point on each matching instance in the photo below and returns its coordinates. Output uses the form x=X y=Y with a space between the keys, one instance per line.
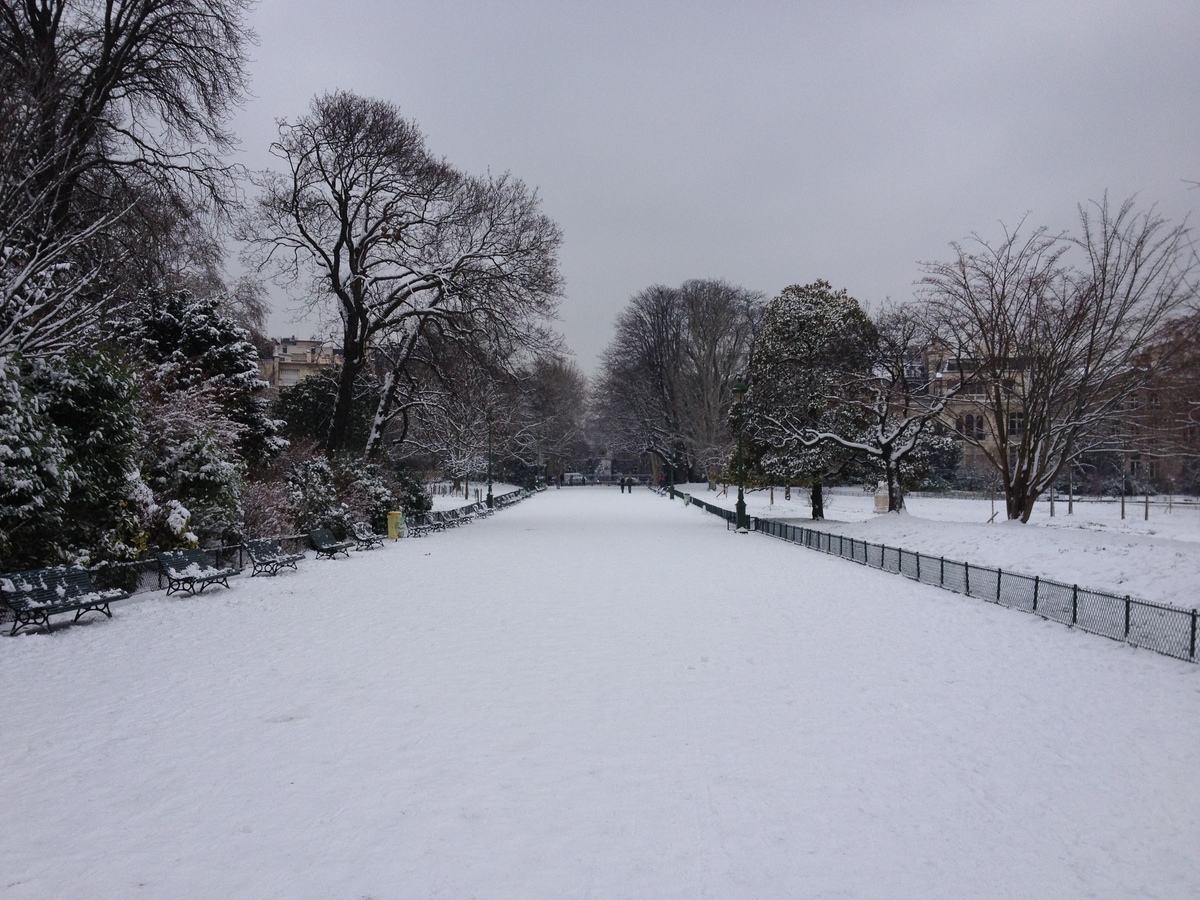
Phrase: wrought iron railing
x=1161 y=627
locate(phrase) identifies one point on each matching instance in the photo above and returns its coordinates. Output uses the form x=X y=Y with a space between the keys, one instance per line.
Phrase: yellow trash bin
x=395 y=525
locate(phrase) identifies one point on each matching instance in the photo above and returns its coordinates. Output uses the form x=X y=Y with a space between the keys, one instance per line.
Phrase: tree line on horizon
x=1050 y=355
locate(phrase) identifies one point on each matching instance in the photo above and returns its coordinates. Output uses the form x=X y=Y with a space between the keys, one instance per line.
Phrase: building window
x=1016 y=424
x=972 y=426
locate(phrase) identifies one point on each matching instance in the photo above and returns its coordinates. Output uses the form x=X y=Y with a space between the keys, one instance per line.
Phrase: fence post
x=1193 y=649
x=883 y=557
x=1127 y=617
x=918 y=566
x=942 y=571
x=841 y=546
x=967 y=577
x=999 y=576
x=1074 y=604
x=1036 y=581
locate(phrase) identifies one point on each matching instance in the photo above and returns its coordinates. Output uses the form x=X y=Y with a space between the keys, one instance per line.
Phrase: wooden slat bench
x=35 y=595
x=191 y=572
x=267 y=557
x=326 y=544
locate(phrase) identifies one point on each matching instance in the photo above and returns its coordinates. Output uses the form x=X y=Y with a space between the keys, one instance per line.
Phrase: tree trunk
x=386 y=397
x=1018 y=500
x=895 y=492
x=339 y=428
x=818 y=500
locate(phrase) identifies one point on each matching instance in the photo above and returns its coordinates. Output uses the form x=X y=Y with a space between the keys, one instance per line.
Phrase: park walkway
x=592 y=694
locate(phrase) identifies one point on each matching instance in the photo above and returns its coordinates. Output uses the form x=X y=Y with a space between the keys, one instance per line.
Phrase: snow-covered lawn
x=1156 y=559
x=592 y=694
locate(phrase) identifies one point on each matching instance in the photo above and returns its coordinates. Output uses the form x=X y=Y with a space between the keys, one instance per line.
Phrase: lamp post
x=739 y=391
x=490 y=501
x=671 y=468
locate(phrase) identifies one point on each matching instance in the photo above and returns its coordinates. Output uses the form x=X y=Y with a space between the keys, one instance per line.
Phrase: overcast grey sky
x=764 y=143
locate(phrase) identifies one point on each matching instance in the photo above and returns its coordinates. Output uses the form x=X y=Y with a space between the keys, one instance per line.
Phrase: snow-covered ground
x=592 y=694
x=1155 y=559
x=477 y=492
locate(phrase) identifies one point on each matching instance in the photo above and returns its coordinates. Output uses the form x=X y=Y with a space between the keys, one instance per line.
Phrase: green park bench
x=190 y=571
x=364 y=537
x=326 y=544
x=267 y=557
x=36 y=595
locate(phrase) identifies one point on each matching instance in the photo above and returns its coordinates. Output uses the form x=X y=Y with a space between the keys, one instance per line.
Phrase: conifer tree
x=815 y=341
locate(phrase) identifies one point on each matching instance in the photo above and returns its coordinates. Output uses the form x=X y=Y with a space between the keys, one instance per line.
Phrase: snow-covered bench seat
x=418 y=524
x=267 y=557
x=190 y=571
x=326 y=544
x=459 y=515
x=34 y=596
x=365 y=538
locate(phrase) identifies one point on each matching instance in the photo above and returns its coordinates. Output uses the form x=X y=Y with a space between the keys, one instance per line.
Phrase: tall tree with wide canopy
x=1054 y=333
x=123 y=92
x=667 y=376
x=112 y=120
x=365 y=216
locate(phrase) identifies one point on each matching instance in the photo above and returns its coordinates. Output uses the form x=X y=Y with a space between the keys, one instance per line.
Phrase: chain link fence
x=1163 y=628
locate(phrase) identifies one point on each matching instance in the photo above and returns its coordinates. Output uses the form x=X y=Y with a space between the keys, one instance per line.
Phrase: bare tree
x=666 y=381
x=400 y=241
x=635 y=397
x=47 y=287
x=1053 y=354
x=548 y=413
x=459 y=408
x=124 y=93
x=107 y=109
x=51 y=285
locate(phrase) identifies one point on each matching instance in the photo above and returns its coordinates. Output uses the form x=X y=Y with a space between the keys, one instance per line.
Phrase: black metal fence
x=727 y=514
x=145 y=575
x=1163 y=628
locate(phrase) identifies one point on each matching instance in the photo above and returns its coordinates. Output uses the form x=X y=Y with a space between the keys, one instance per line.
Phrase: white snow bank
x=1156 y=560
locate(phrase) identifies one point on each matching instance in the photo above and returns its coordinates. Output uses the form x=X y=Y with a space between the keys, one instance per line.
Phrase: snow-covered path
x=592 y=695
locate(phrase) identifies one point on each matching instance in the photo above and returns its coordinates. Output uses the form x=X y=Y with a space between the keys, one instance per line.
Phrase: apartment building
x=293 y=360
